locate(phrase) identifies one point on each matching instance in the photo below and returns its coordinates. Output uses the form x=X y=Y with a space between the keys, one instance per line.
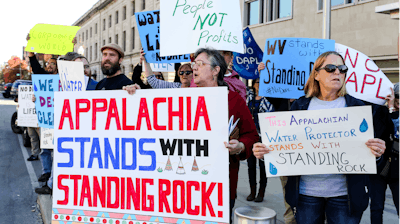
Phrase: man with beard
x=110 y=66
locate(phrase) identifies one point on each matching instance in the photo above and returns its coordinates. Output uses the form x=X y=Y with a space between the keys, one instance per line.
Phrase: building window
x=91 y=53
x=95 y=28
x=86 y=52
x=133 y=38
x=83 y=36
x=95 y=51
x=104 y=24
x=87 y=36
x=116 y=17
x=278 y=9
x=90 y=32
x=116 y=39
x=133 y=8
x=109 y=40
x=335 y=3
x=124 y=13
x=143 y=4
x=254 y=12
x=124 y=40
x=104 y=42
x=109 y=21
x=79 y=38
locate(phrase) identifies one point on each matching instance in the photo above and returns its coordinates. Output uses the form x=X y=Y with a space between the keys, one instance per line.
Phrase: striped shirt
x=161 y=84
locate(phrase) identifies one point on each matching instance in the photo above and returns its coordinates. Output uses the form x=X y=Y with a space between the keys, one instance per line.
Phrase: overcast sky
x=17 y=17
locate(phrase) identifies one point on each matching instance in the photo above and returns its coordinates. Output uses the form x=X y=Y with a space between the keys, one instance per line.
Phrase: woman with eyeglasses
x=341 y=198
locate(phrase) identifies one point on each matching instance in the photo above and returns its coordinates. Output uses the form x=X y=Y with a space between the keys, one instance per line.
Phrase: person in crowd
x=185 y=73
x=340 y=198
x=388 y=166
x=111 y=68
x=159 y=75
x=73 y=56
x=281 y=104
x=257 y=104
x=51 y=64
x=34 y=135
x=231 y=77
x=209 y=68
x=139 y=77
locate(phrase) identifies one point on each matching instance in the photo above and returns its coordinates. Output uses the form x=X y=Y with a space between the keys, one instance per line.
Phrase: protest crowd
x=308 y=198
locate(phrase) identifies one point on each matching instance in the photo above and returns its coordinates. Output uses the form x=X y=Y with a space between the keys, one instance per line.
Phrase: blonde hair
x=312 y=87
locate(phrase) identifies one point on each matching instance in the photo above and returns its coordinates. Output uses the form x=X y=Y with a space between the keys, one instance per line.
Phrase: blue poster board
x=288 y=63
x=148 y=24
x=44 y=87
x=246 y=64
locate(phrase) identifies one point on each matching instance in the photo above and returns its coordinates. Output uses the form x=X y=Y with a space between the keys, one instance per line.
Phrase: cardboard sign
x=246 y=64
x=155 y=154
x=26 y=108
x=288 y=63
x=47 y=138
x=44 y=87
x=148 y=24
x=189 y=25
x=51 y=39
x=318 y=141
x=161 y=67
x=72 y=76
x=364 y=80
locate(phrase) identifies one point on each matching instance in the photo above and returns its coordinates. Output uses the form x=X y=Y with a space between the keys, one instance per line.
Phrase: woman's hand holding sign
x=259 y=149
x=131 y=88
x=377 y=146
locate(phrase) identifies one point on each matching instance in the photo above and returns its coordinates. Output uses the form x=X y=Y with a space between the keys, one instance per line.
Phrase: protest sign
x=44 y=87
x=246 y=64
x=26 y=108
x=161 y=67
x=288 y=63
x=318 y=141
x=152 y=150
x=364 y=80
x=201 y=23
x=72 y=76
x=47 y=138
x=148 y=24
x=51 y=39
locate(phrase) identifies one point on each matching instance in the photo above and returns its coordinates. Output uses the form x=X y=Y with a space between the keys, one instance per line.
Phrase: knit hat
x=114 y=47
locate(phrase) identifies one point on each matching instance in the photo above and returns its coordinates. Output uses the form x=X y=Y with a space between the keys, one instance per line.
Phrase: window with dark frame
x=133 y=8
x=104 y=24
x=143 y=4
x=83 y=36
x=91 y=53
x=109 y=40
x=116 y=17
x=133 y=38
x=109 y=21
x=124 y=40
x=90 y=32
x=95 y=28
x=95 y=51
x=87 y=36
x=124 y=13
x=116 y=39
x=104 y=42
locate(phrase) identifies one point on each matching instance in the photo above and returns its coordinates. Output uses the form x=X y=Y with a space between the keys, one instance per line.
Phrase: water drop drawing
x=364 y=126
x=272 y=169
x=34 y=87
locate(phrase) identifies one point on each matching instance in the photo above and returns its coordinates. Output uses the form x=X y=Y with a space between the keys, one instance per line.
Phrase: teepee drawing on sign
x=195 y=167
x=181 y=169
x=168 y=167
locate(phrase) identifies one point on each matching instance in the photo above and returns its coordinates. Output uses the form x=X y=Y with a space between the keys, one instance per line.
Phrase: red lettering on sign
x=109 y=181
x=113 y=113
x=75 y=178
x=172 y=113
x=66 y=113
x=196 y=210
x=99 y=192
x=365 y=81
x=379 y=89
x=156 y=101
x=146 y=197
x=80 y=110
x=181 y=185
x=64 y=188
x=97 y=109
x=85 y=192
x=189 y=113
x=368 y=68
x=347 y=54
x=205 y=199
x=124 y=125
x=355 y=79
x=162 y=195
x=143 y=113
x=201 y=111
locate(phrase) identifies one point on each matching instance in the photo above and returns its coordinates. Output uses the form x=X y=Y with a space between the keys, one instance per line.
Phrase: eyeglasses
x=159 y=76
x=198 y=63
x=185 y=72
x=86 y=66
x=51 y=63
x=331 y=68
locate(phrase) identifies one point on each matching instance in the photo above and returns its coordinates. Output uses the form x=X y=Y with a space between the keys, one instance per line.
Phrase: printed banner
x=51 y=39
x=288 y=63
x=72 y=76
x=246 y=64
x=26 y=108
x=189 y=25
x=47 y=138
x=161 y=67
x=364 y=80
x=148 y=24
x=156 y=153
x=44 y=87
x=318 y=141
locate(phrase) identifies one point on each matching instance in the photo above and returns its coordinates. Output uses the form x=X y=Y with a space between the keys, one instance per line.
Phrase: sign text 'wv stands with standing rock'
x=288 y=64
x=156 y=153
x=246 y=65
x=310 y=142
x=148 y=24
x=26 y=108
x=189 y=25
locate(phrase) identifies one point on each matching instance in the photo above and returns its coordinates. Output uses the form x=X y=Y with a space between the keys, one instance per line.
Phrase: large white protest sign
x=72 y=76
x=318 y=141
x=26 y=108
x=364 y=80
x=161 y=67
x=201 y=23
x=47 y=138
x=155 y=156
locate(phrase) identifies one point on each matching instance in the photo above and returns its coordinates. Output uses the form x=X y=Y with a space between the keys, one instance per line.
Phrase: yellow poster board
x=51 y=39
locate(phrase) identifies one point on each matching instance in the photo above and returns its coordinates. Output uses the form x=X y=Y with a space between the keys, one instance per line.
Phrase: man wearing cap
x=110 y=66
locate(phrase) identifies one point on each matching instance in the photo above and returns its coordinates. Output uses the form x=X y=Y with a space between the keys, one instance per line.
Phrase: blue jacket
x=91 y=84
x=357 y=184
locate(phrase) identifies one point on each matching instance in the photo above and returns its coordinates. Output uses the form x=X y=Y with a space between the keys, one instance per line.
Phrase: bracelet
x=241 y=150
x=391 y=110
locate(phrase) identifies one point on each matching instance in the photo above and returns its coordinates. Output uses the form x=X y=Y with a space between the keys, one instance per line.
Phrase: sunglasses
x=158 y=76
x=185 y=72
x=331 y=68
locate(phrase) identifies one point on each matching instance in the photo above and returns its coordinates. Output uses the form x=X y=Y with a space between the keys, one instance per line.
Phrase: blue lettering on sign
x=70 y=152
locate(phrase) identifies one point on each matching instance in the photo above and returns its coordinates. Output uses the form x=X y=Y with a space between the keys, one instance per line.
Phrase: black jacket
x=36 y=67
x=137 y=72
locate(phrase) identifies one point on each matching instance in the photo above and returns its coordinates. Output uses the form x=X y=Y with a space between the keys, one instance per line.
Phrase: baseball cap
x=114 y=47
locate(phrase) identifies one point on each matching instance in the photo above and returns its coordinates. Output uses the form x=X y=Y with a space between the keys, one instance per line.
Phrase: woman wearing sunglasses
x=185 y=73
x=341 y=198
